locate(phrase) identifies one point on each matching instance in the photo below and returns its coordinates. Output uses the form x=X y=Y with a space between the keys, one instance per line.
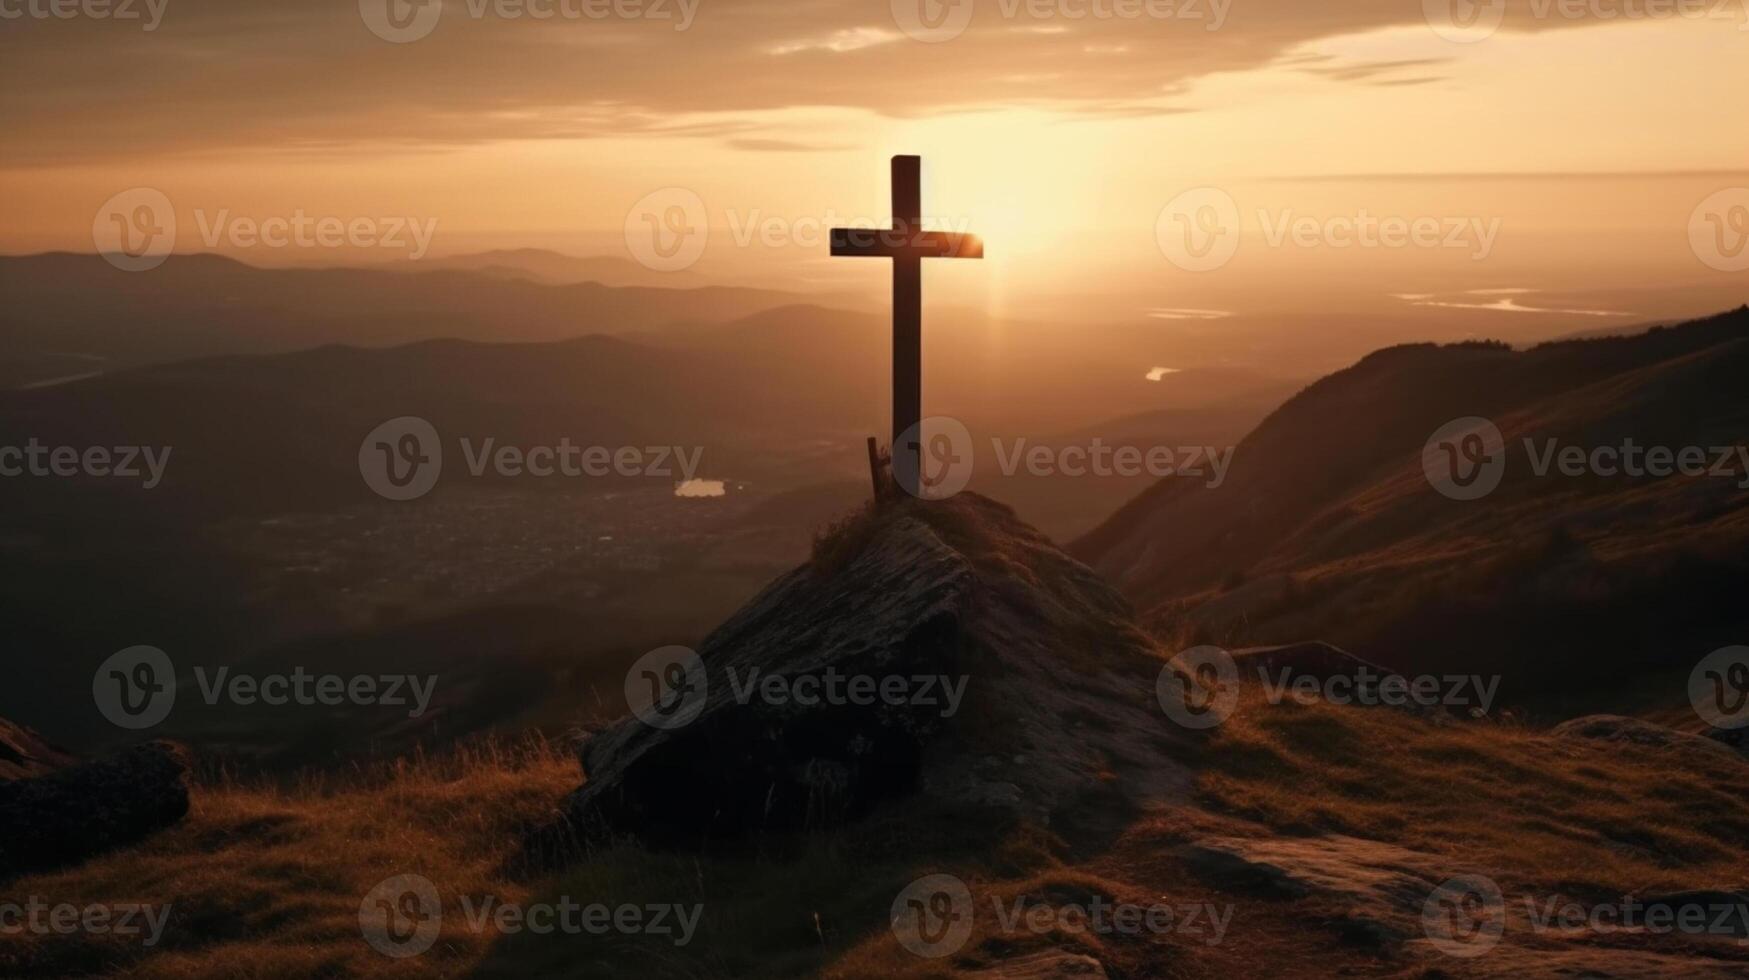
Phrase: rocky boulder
x=24 y=753
x=74 y=812
x=974 y=664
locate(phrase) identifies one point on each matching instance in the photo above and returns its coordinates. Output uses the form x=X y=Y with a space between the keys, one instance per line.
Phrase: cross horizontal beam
x=904 y=243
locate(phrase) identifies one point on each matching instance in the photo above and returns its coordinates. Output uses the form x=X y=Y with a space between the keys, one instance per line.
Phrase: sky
x=1544 y=139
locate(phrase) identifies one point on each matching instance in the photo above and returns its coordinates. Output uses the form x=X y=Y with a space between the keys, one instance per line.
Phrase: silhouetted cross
x=907 y=244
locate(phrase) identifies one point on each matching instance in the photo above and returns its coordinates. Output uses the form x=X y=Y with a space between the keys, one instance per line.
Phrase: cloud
x=759 y=145
x=841 y=41
x=230 y=75
x=1368 y=71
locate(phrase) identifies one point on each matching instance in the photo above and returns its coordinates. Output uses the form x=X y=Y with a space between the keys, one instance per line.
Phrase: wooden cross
x=907 y=244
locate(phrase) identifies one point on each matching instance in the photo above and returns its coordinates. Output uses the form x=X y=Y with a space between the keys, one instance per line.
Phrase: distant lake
x=701 y=488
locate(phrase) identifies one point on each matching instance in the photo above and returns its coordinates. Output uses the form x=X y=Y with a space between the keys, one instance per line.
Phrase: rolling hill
x=1329 y=526
x=202 y=305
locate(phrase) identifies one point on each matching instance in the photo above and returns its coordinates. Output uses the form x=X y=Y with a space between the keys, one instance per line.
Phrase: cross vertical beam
x=908 y=324
x=907 y=244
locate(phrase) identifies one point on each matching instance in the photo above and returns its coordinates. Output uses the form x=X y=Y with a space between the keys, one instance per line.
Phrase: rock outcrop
x=1055 y=718
x=25 y=754
x=76 y=811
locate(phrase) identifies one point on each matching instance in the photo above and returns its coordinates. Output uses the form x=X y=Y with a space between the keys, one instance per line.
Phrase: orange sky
x=1059 y=138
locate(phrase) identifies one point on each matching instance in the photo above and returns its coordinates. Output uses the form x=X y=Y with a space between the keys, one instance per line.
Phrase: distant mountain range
x=556 y=268
x=1330 y=526
x=61 y=306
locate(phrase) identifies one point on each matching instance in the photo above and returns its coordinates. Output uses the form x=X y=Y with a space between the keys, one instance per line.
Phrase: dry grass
x=267 y=882
x=1608 y=817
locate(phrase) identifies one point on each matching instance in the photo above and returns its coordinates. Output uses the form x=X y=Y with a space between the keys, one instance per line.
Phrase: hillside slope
x=1329 y=524
x=1298 y=839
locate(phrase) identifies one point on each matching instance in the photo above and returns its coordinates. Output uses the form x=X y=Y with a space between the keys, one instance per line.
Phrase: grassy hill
x=1329 y=526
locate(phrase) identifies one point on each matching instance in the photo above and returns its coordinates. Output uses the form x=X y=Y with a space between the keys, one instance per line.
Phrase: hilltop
x=1309 y=834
